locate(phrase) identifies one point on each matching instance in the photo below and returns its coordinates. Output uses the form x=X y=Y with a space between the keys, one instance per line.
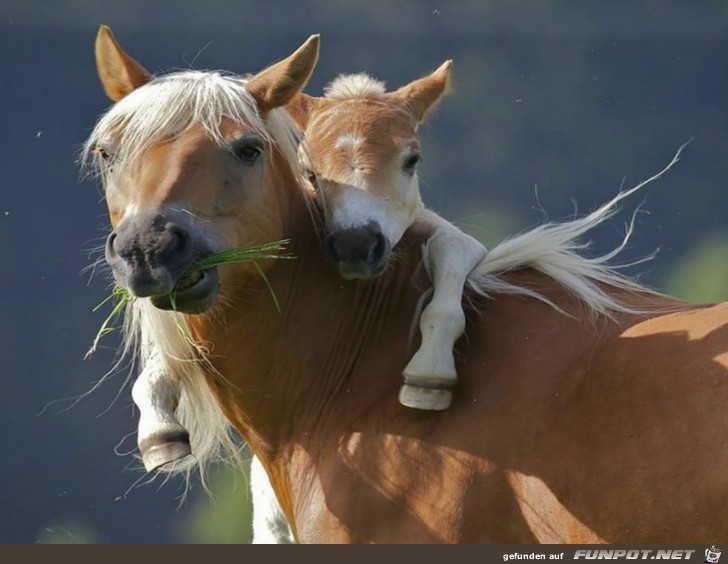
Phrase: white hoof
x=429 y=399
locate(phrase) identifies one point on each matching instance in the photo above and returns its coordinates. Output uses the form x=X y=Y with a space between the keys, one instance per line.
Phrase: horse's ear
x=301 y=107
x=421 y=95
x=119 y=73
x=277 y=85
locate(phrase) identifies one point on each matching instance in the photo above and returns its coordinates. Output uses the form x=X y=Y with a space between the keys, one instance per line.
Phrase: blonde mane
x=169 y=105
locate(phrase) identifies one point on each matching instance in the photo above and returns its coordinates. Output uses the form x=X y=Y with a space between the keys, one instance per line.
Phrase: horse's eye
x=104 y=153
x=411 y=162
x=247 y=150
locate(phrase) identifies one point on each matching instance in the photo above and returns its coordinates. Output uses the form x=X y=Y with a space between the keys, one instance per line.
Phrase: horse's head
x=189 y=162
x=361 y=150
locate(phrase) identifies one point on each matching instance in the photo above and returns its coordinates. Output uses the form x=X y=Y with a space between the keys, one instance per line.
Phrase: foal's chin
x=361 y=272
x=194 y=299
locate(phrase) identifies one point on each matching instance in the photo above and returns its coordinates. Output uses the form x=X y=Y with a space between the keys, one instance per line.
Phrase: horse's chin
x=191 y=299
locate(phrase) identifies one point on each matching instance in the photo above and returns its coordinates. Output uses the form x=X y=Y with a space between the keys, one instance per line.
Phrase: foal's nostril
x=376 y=254
x=330 y=245
x=359 y=252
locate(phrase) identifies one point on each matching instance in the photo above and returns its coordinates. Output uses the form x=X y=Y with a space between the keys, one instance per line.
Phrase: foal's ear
x=301 y=107
x=421 y=95
x=279 y=83
x=119 y=73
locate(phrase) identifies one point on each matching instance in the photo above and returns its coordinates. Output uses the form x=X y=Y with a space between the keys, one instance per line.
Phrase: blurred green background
x=555 y=106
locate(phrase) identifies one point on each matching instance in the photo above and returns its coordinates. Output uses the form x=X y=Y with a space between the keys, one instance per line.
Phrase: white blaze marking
x=348 y=140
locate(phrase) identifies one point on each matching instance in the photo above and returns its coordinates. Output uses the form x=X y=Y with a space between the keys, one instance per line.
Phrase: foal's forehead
x=362 y=124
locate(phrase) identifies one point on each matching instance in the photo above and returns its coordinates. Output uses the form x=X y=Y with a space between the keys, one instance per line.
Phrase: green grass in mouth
x=120 y=297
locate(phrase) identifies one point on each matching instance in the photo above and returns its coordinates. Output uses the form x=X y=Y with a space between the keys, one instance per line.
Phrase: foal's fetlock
x=164 y=448
x=431 y=368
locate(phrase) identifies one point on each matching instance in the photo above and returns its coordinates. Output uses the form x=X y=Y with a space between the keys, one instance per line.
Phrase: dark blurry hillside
x=555 y=106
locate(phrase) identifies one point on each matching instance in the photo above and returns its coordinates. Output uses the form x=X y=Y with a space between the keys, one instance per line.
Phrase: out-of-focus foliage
x=702 y=274
x=67 y=532
x=222 y=515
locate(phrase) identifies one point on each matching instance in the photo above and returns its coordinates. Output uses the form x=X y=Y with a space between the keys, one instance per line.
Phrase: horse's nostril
x=110 y=250
x=175 y=229
x=178 y=243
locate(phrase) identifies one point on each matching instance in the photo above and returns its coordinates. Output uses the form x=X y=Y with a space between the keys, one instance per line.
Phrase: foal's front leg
x=430 y=375
x=161 y=437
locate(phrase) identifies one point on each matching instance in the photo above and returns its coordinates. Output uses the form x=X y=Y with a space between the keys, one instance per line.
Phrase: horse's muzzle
x=359 y=252
x=153 y=255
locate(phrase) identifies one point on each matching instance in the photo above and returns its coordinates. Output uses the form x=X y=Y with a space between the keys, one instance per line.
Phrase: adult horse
x=577 y=417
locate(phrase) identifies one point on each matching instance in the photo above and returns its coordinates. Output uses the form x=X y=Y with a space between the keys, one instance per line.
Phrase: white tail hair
x=554 y=250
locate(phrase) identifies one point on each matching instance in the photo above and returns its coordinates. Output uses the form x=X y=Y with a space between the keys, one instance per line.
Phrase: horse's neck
x=334 y=348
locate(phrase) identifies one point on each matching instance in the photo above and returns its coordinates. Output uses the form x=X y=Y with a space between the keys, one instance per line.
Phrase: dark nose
x=148 y=254
x=359 y=252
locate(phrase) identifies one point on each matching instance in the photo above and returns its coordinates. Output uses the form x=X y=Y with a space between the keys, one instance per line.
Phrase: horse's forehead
x=192 y=145
x=227 y=130
x=182 y=163
x=196 y=142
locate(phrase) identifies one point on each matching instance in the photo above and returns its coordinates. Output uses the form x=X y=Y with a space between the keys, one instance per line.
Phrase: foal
x=360 y=152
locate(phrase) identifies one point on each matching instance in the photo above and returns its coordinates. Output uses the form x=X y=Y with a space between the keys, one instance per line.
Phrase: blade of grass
x=122 y=298
x=270 y=288
x=243 y=254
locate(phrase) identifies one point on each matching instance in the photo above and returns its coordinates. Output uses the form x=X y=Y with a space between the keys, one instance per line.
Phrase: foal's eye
x=411 y=162
x=310 y=176
x=247 y=150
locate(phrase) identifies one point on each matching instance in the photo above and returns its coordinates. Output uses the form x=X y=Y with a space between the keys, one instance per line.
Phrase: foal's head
x=361 y=150
x=192 y=163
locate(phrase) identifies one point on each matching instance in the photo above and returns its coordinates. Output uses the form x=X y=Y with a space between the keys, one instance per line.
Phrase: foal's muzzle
x=152 y=255
x=359 y=252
